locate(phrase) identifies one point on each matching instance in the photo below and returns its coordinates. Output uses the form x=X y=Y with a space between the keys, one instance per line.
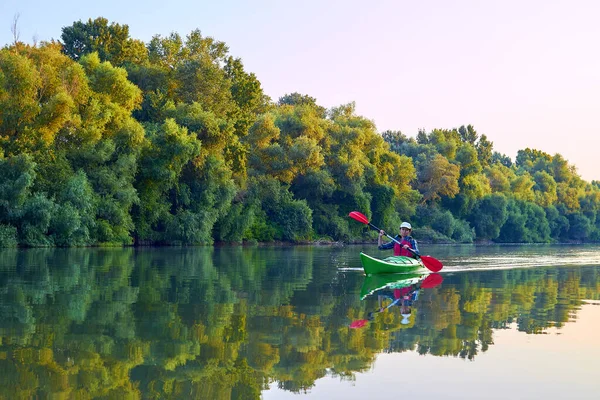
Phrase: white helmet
x=405 y=319
x=405 y=225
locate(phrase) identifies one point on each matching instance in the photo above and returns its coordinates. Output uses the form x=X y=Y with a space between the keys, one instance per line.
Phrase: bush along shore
x=110 y=141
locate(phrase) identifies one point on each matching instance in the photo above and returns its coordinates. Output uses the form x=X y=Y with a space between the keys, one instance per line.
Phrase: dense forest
x=106 y=140
x=200 y=323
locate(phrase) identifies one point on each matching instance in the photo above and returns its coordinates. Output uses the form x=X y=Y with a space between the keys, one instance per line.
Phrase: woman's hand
x=381 y=233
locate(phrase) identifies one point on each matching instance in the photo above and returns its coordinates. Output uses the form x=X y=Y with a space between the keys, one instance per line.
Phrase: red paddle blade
x=360 y=217
x=432 y=281
x=432 y=264
x=359 y=323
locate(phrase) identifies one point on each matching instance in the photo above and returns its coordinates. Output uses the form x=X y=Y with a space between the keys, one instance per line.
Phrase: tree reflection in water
x=226 y=323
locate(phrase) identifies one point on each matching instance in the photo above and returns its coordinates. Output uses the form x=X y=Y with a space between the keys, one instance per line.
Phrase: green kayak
x=390 y=265
x=389 y=281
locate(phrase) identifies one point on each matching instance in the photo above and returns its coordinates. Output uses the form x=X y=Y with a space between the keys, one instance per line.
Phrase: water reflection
x=230 y=322
x=395 y=290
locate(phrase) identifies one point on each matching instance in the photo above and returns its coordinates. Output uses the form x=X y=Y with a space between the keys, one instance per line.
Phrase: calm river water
x=298 y=322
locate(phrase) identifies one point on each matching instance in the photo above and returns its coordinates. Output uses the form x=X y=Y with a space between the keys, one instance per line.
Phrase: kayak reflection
x=400 y=290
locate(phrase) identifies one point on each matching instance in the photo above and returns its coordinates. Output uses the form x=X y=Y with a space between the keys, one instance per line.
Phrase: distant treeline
x=106 y=140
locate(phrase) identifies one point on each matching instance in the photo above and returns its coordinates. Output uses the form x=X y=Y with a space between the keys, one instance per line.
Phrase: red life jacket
x=399 y=249
x=402 y=293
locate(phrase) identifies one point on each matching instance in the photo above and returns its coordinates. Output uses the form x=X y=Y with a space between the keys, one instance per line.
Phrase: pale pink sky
x=525 y=73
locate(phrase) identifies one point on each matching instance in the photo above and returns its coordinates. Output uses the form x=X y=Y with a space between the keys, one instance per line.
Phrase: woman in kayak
x=402 y=243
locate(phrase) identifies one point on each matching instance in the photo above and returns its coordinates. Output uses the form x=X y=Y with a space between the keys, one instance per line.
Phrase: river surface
x=299 y=322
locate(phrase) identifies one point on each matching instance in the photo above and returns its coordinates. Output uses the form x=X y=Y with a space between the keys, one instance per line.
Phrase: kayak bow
x=390 y=265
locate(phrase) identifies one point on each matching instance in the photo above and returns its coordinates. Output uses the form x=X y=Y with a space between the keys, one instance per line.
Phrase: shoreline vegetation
x=109 y=141
x=333 y=243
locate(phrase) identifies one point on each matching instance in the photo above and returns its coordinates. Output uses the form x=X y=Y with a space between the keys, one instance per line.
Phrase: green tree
x=522 y=187
x=544 y=189
x=168 y=150
x=468 y=134
x=526 y=223
x=466 y=156
x=438 y=178
x=528 y=157
x=40 y=92
x=501 y=159
x=75 y=220
x=111 y=42
x=489 y=215
x=484 y=150
x=17 y=174
x=397 y=141
x=247 y=93
x=297 y=99
x=286 y=144
x=559 y=224
x=446 y=142
x=34 y=223
x=580 y=227
x=500 y=177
